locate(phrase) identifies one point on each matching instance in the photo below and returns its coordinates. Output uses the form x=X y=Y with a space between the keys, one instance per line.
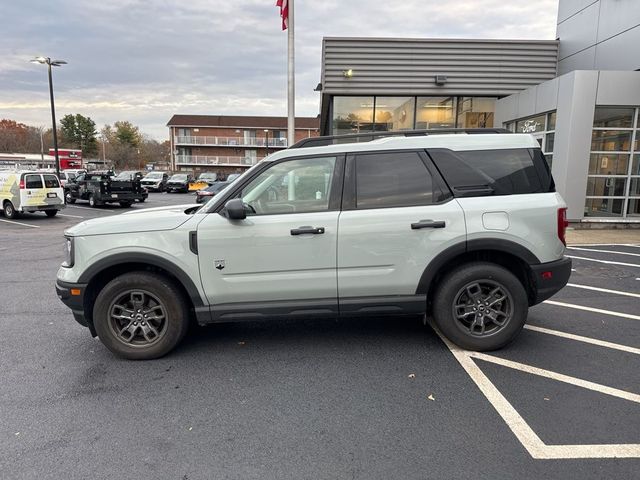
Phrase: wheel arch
x=108 y=268
x=509 y=255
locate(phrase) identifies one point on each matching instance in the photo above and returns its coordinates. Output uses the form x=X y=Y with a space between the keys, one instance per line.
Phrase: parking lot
x=360 y=398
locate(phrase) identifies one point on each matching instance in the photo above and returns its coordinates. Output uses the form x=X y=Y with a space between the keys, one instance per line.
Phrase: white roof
x=458 y=141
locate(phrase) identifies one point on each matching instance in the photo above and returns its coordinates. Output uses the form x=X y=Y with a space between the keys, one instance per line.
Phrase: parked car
x=179 y=182
x=28 y=191
x=100 y=187
x=134 y=176
x=205 y=194
x=232 y=176
x=155 y=181
x=465 y=229
x=209 y=177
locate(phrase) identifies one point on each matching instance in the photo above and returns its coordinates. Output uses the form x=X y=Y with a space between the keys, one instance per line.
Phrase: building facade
x=229 y=144
x=379 y=84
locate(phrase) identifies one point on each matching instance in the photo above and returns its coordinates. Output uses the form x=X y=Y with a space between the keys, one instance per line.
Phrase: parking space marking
x=591 y=309
x=605 y=261
x=604 y=290
x=603 y=251
x=72 y=216
x=521 y=429
x=91 y=208
x=19 y=223
x=580 y=338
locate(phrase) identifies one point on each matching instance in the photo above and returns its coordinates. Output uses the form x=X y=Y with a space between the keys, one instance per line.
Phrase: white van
x=28 y=191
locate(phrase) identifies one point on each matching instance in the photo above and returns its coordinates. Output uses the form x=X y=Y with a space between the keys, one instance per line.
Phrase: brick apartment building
x=229 y=144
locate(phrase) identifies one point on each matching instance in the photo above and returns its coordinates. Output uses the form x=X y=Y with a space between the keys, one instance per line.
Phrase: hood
x=147 y=220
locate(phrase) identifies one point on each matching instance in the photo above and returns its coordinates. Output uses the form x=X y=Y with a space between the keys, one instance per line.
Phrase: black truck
x=99 y=188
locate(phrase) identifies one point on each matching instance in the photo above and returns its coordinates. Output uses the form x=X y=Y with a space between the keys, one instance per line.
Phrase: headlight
x=68 y=252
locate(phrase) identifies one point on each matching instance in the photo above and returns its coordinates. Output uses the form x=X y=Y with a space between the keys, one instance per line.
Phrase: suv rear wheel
x=480 y=306
x=140 y=316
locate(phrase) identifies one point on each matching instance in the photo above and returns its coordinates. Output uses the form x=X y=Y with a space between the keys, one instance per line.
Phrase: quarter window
x=296 y=186
x=392 y=180
x=33 y=181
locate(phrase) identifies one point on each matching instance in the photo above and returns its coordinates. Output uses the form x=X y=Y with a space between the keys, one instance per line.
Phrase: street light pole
x=55 y=63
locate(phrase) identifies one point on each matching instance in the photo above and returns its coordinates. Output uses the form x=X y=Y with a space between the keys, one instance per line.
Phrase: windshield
x=179 y=177
x=208 y=175
x=126 y=175
x=153 y=175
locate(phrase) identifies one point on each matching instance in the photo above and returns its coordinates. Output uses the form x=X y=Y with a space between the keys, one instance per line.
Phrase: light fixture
x=347 y=73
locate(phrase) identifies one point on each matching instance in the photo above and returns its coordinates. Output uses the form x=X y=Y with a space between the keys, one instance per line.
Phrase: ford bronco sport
x=465 y=228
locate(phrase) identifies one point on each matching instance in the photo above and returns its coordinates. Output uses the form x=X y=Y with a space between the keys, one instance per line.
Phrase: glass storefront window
x=352 y=115
x=634 y=190
x=603 y=207
x=635 y=166
x=435 y=112
x=394 y=113
x=551 y=121
x=611 y=140
x=549 y=141
x=532 y=125
x=613 y=117
x=475 y=112
x=633 y=208
x=608 y=164
x=606 y=186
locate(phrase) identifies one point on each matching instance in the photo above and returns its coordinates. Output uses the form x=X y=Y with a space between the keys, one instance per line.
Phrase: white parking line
x=605 y=261
x=19 y=223
x=91 y=208
x=604 y=290
x=521 y=429
x=591 y=309
x=72 y=216
x=580 y=338
x=604 y=251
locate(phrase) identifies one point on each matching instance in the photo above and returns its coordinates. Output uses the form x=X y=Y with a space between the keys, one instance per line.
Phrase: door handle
x=305 y=230
x=428 y=224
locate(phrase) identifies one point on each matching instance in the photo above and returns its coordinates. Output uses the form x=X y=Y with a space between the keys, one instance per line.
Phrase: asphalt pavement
x=362 y=398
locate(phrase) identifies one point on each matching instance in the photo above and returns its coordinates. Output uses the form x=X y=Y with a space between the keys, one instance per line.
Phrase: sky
x=145 y=60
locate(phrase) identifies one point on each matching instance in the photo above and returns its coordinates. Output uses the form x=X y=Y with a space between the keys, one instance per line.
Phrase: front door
x=282 y=257
x=397 y=218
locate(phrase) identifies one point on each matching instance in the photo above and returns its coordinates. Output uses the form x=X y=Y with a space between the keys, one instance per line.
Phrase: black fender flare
x=492 y=244
x=146 y=258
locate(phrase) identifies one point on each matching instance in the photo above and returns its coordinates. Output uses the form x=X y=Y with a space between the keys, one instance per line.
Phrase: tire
x=51 y=213
x=69 y=198
x=141 y=200
x=125 y=204
x=157 y=294
x=93 y=202
x=470 y=287
x=9 y=210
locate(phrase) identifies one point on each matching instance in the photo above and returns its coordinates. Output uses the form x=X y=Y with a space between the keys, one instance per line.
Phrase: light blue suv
x=465 y=228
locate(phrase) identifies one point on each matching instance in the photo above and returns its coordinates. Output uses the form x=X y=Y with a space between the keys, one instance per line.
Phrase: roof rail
x=370 y=136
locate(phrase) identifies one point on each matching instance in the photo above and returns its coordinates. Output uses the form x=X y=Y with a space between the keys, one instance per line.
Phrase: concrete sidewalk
x=586 y=236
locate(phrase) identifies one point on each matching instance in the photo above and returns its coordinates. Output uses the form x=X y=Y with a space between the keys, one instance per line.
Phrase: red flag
x=284 y=12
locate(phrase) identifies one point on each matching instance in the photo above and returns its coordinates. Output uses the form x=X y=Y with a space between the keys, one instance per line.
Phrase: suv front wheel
x=480 y=306
x=140 y=315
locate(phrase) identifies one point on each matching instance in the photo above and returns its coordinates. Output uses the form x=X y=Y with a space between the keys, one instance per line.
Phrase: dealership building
x=579 y=96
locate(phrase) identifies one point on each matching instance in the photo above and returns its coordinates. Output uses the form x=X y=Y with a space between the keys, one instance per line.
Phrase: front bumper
x=72 y=295
x=549 y=278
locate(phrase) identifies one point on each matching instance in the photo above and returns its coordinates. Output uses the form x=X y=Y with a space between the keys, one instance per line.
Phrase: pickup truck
x=99 y=188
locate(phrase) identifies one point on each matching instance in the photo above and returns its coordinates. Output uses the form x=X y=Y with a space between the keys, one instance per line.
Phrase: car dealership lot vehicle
x=155 y=181
x=467 y=229
x=99 y=188
x=179 y=183
x=29 y=192
x=206 y=194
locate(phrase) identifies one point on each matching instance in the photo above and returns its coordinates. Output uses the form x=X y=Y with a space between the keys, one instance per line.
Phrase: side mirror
x=235 y=209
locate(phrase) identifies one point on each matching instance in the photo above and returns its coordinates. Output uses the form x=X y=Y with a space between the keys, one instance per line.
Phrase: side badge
x=219 y=264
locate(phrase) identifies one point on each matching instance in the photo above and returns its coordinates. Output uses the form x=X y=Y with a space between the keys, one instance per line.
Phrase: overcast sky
x=144 y=60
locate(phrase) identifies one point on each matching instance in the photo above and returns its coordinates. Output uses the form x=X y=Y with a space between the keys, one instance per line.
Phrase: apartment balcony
x=206 y=141
x=207 y=160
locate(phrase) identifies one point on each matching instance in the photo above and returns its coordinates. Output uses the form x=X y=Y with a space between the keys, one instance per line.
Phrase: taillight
x=21 y=184
x=562 y=224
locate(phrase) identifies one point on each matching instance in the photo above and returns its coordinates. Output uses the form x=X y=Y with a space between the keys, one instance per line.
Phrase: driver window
x=296 y=186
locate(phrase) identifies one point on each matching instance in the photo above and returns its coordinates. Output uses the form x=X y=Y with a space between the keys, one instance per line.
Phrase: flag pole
x=291 y=108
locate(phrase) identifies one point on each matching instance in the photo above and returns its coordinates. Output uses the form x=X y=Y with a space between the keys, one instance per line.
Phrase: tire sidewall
x=165 y=291
x=92 y=201
x=9 y=210
x=457 y=279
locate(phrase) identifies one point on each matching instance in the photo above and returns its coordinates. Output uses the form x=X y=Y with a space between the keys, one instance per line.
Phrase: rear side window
x=33 y=181
x=51 y=181
x=494 y=172
x=394 y=179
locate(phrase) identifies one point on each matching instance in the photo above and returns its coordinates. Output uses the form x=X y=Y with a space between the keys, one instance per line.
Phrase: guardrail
x=216 y=160
x=230 y=141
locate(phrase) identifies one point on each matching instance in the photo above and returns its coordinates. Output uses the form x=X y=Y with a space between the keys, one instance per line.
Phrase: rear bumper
x=75 y=301
x=550 y=278
x=42 y=208
x=123 y=197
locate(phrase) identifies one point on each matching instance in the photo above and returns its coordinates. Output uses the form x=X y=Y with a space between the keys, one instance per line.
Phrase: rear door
x=32 y=194
x=397 y=216
x=53 y=192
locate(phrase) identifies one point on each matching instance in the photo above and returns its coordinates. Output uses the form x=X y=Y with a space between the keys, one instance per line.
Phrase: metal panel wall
x=386 y=66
